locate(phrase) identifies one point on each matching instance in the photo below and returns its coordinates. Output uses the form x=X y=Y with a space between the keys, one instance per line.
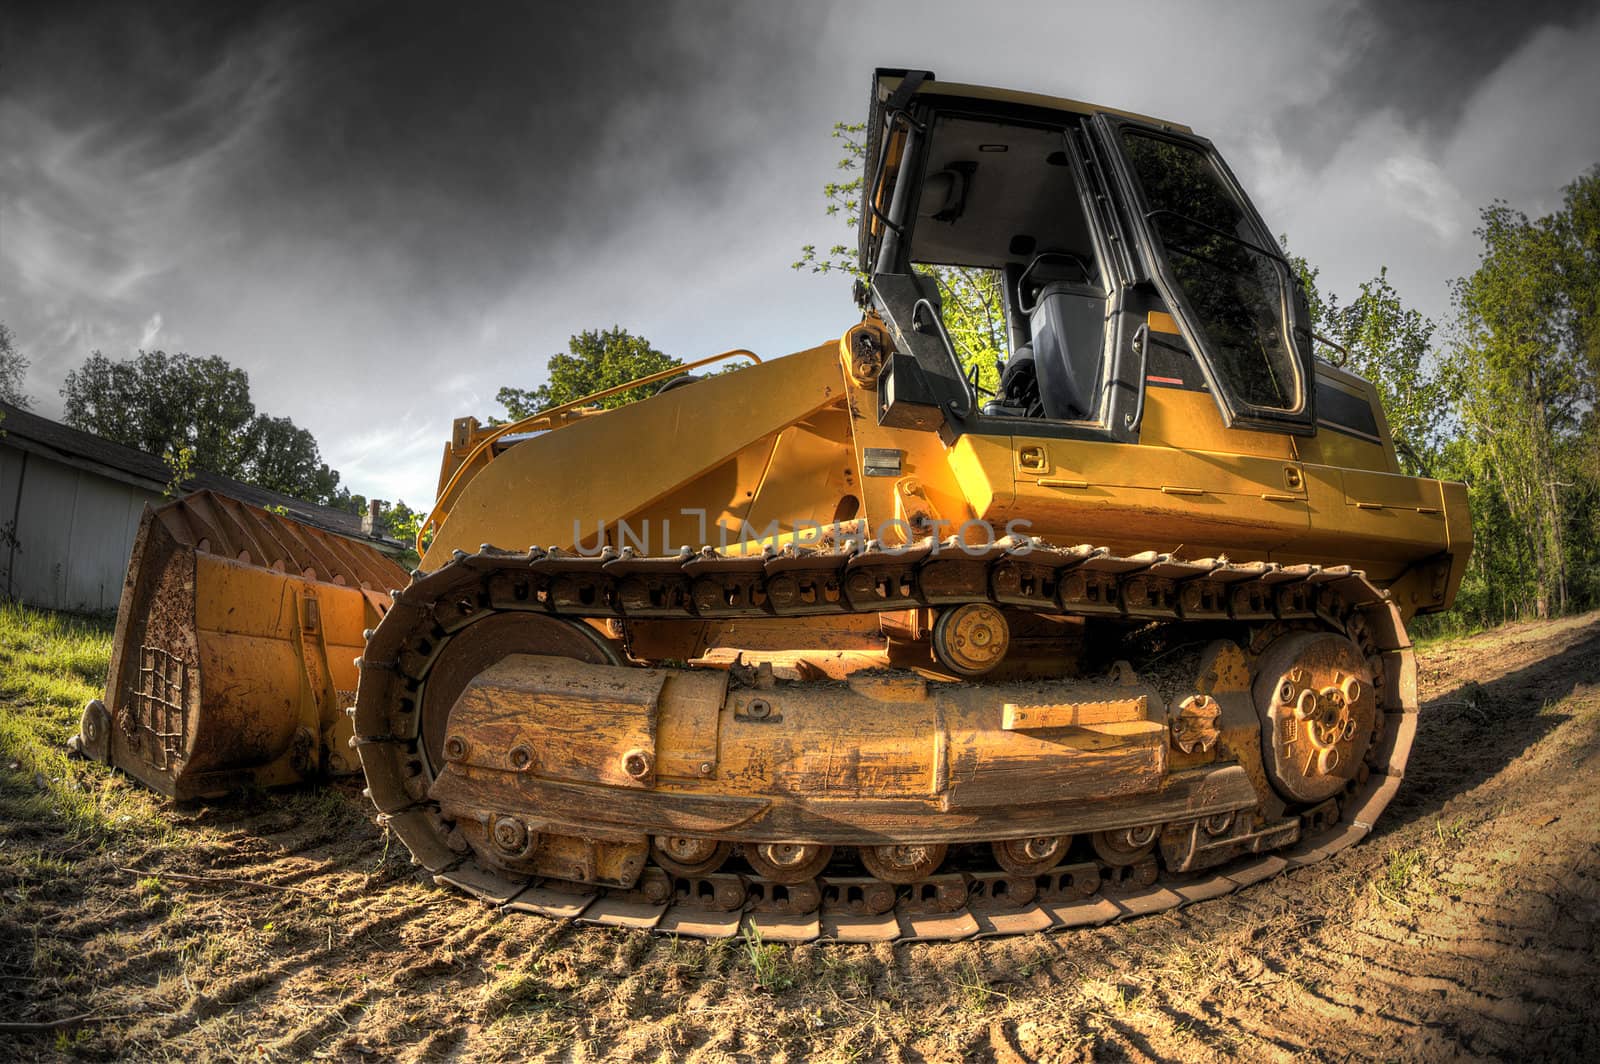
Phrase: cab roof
x=894 y=88
x=886 y=81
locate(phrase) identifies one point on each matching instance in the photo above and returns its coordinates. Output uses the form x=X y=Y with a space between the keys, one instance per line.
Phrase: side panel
x=602 y=469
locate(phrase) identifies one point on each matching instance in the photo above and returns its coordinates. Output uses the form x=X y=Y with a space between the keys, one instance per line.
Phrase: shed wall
x=73 y=531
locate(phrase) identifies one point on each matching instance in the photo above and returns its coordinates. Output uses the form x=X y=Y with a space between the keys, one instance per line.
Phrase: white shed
x=70 y=503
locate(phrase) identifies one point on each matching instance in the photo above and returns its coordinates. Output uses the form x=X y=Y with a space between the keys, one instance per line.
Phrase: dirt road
x=287 y=926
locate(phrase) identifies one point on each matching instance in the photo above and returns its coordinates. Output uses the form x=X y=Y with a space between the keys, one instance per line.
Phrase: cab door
x=1232 y=293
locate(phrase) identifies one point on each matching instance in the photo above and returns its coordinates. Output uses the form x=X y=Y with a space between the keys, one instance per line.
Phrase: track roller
x=903 y=864
x=1031 y=857
x=787 y=862
x=686 y=855
x=1125 y=846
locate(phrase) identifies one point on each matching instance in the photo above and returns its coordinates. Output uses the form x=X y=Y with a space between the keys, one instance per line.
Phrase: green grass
x=769 y=963
x=50 y=665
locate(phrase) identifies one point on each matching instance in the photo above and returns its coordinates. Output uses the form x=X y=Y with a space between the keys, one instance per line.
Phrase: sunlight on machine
x=842 y=645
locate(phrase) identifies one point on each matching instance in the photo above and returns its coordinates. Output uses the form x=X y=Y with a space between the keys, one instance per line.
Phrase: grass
x=51 y=664
x=770 y=964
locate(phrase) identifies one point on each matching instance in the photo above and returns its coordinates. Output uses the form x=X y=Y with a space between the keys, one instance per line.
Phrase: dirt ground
x=1468 y=926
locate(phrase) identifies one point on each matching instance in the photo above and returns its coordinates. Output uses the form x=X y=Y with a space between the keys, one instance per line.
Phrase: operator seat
x=1056 y=366
x=1068 y=321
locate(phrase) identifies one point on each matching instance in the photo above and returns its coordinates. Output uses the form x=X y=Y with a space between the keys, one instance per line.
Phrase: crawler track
x=973 y=899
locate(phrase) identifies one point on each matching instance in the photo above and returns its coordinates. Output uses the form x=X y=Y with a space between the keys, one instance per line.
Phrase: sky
x=385 y=212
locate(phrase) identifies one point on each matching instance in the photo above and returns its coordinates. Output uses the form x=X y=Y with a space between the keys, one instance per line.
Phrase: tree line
x=1502 y=397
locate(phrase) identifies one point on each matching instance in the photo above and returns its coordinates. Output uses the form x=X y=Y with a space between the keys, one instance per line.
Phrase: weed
x=1404 y=876
x=972 y=988
x=846 y=974
x=518 y=991
x=1454 y=831
x=771 y=966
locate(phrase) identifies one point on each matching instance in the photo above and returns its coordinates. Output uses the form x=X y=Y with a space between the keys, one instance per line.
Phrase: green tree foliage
x=1377 y=337
x=596 y=360
x=975 y=317
x=1507 y=403
x=842 y=199
x=12 y=368
x=197 y=413
x=1525 y=363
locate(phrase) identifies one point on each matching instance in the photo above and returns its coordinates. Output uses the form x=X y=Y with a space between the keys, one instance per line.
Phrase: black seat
x=1068 y=322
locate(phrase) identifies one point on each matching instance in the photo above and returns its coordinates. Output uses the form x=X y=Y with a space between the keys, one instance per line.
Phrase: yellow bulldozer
x=845 y=645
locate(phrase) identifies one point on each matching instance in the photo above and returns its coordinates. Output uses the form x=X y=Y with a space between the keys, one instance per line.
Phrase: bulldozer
x=848 y=645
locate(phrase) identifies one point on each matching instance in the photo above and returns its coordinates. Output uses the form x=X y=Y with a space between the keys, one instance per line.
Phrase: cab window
x=1238 y=290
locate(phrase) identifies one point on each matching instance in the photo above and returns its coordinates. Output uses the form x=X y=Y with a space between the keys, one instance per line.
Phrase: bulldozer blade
x=234 y=654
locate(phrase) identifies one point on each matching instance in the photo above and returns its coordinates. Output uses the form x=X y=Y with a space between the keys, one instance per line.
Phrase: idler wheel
x=686 y=855
x=1031 y=857
x=905 y=863
x=787 y=862
x=483 y=644
x=1125 y=846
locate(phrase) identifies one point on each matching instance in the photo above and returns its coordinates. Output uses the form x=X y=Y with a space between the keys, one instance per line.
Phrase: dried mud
x=1467 y=926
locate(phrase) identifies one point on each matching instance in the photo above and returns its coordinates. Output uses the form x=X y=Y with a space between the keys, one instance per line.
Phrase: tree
x=282 y=456
x=596 y=361
x=197 y=414
x=843 y=200
x=1523 y=354
x=1382 y=340
x=12 y=368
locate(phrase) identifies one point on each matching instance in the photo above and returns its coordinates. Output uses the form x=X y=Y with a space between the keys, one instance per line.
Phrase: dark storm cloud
x=463 y=138
x=1423 y=59
x=455 y=140
x=345 y=198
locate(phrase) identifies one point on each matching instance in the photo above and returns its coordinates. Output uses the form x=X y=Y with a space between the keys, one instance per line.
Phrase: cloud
x=152 y=329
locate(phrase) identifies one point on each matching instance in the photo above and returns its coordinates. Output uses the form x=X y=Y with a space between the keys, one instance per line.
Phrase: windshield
x=1236 y=288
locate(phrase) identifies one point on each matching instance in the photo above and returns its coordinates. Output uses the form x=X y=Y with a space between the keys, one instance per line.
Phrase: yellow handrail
x=436 y=514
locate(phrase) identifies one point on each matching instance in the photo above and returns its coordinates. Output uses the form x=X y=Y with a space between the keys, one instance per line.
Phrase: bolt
x=510 y=834
x=705 y=768
x=636 y=763
x=455 y=748
x=520 y=757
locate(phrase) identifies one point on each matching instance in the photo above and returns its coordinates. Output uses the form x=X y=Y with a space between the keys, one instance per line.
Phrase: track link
x=1017 y=573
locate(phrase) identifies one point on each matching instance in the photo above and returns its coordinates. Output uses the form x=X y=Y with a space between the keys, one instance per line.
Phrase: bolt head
x=637 y=763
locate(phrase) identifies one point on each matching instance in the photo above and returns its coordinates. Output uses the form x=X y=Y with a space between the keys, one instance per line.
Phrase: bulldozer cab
x=1041 y=263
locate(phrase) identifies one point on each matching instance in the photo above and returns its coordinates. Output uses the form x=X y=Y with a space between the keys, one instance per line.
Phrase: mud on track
x=286 y=925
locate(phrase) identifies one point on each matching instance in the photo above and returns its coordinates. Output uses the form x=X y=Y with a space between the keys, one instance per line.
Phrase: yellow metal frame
x=549 y=418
